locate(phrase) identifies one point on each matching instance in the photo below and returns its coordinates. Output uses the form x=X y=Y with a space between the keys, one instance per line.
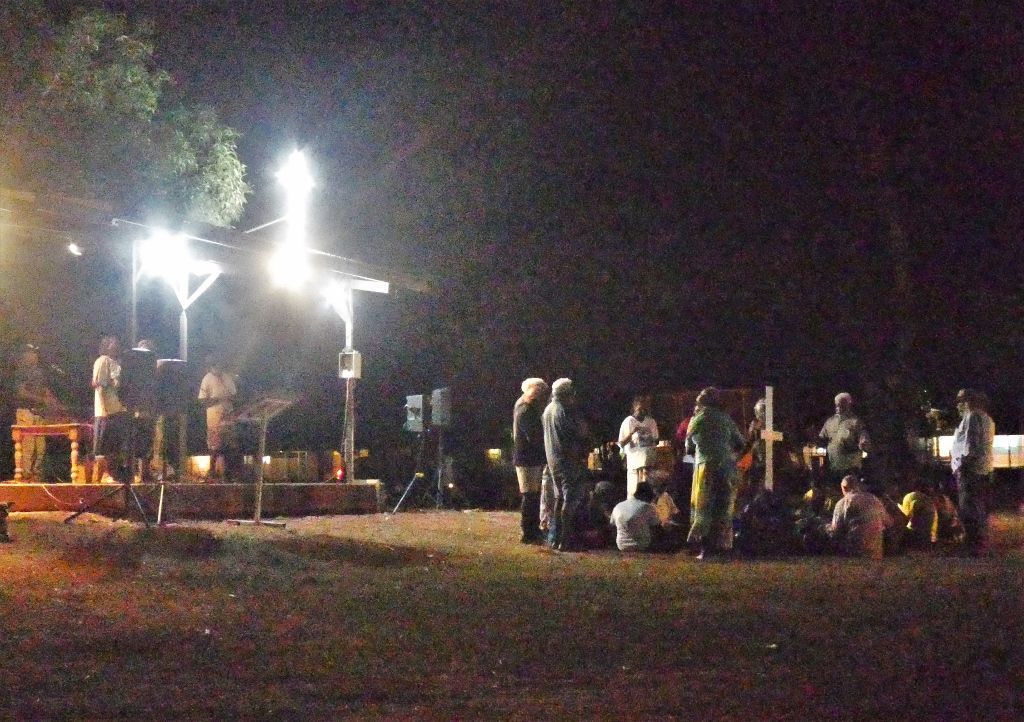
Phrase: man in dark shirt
x=565 y=446
x=528 y=454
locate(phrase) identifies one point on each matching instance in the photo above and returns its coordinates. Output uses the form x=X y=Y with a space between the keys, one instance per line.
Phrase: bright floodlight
x=289 y=266
x=297 y=183
x=167 y=256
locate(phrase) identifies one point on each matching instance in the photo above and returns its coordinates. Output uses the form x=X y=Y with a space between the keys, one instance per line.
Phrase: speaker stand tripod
x=129 y=493
x=417 y=476
x=123 y=467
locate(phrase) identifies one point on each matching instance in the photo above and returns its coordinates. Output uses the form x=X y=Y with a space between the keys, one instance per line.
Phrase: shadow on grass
x=361 y=553
x=124 y=547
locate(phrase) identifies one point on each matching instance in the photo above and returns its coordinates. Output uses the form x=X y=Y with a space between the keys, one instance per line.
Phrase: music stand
x=261 y=412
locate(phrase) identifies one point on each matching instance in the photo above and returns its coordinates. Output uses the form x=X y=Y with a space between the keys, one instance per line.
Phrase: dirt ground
x=443 y=615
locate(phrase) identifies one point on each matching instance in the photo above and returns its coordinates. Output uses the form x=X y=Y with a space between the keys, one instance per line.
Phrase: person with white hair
x=528 y=454
x=565 y=446
x=846 y=440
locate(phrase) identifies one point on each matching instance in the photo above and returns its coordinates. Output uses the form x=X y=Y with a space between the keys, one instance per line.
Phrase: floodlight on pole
x=289 y=266
x=166 y=255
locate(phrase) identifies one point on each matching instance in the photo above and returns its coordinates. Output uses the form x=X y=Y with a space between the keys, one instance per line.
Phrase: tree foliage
x=86 y=114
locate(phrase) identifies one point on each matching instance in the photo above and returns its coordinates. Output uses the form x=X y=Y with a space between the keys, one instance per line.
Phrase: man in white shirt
x=638 y=435
x=112 y=423
x=217 y=392
x=971 y=463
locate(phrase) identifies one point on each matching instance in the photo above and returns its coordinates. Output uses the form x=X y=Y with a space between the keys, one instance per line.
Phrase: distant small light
x=494 y=454
x=451 y=486
x=74 y=249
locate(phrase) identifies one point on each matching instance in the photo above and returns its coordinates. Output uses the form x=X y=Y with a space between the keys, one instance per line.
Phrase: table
x=73 y=431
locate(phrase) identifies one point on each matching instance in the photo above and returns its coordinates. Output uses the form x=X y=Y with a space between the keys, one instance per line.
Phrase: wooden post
x=770 y=436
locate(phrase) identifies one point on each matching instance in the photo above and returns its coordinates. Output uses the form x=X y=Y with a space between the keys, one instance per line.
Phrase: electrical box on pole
x=350 y=365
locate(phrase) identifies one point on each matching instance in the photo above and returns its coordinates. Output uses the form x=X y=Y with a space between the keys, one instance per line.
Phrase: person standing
x=846 y=440
x=756 y=447
x=971 y=463
x=111 y=433
x=565 y=446
x=528 y=454
x=638 y=435
x=32 y=397
x=714 y=440
x=217 y=393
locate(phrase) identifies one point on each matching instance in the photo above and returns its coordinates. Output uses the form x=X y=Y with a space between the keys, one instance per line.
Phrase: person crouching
x=859 y=521
x=636 y=521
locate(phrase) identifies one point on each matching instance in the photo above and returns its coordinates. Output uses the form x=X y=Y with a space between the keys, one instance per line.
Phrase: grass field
x=444 y=616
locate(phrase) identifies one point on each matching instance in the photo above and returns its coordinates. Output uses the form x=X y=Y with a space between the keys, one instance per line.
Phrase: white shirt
x=106 y=375
x=643 y=435
x=219 y=387
x=972 y=444
x=633 y=520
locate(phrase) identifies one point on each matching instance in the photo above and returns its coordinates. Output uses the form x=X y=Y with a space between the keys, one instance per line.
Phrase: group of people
x=551 y=441
x=128 y=434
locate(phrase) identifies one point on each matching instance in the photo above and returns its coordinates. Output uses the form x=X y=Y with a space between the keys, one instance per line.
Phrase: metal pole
x=349 y=439
x=182 y=418
x=133 y=323
x=348 y=448
x=769 y=456
x=259 y=474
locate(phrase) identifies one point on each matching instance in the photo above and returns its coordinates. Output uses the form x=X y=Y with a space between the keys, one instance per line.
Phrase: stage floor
x=200 y=500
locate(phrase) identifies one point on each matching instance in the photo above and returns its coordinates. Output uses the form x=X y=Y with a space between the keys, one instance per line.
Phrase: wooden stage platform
x=201 y=500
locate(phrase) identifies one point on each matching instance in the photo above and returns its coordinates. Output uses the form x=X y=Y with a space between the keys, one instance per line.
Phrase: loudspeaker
x=174 y=392
x=137 y=387
x=441 y=408
x=415 y=418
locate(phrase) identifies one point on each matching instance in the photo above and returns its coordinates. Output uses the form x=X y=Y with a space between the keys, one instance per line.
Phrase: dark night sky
x=637 y=195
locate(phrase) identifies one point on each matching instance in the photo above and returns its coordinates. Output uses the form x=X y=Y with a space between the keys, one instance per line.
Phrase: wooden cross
x=770 y=436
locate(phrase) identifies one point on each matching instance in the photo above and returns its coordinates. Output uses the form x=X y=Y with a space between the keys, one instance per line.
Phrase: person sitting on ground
x=859 y=521
x=923 y=517
x=895 y=535
x=635 y=520
x=950 y=530
x=765 y=525
x=594 y=517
